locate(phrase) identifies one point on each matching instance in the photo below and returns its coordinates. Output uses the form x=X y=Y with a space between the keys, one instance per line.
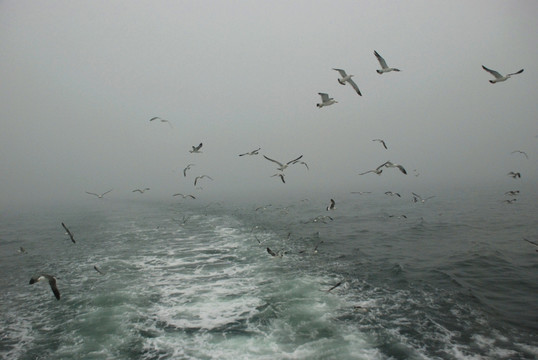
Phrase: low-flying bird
x=141 y=190
x=184 y=196
x=196 y=149
x=382 y=142
x=271 y=252
x=347 y=79
x=390 y=193
x=331 y=205
x=101 y=195
x=531 y=242
x=99 y=271
x=499 y=77
x=22 y=250
x=521 y=152
x=335 y=286
x=201 y=177
x=383 y=63
x=162 y=120
x=52 y=282
x=69 y=233
x=253 y=152
x=281 y=165
x=512 y=193
x=417 y=197
x=514 y=174
x=325 y=100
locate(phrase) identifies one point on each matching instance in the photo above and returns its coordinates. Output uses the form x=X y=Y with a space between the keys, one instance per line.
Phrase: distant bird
x=281 y=165
x=271 y=252
x=281 y=175
x=511 y=201
x=320 y=218
x=418 y=197
x=416 y=172
x=377 y=171
x=331 y=205
x=99 y=271
x=196 y=149
x=22 y=250
x=347 y=79
x=531 y=242
x=302 y=163
x=389 y=164
x=140 y=190
x=201 y=177
x=52 y=282
x=398 y=217
x=99 y=196
x=187 y=168
x=335 y=286
x=162 y=120
x=392 y=193
x=325 y=100
x=69 y=233
x=521 y=152
x=499 y=77
x=253 y=152
x=184 y=196
x=361 y=192
x=514 y=174
x=512 y=193
x=383 y=63
x=382 y=142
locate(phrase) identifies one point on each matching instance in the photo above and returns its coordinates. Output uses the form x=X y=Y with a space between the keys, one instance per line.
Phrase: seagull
x=347 y=78
x=69 y=233
x=361 y=192
x=99 y=196
x=335 y=286
x=418 y=197
x=389 y=164
x=253 y=152
x=99 y=271
x=196 y=149
x=272 y=253
x=140 y=190
x=162 y=120
x=511 y=201
x=514 y=174
x=392 y=193
x=382 y=142
x=512 y=193
x=22 y=250
x=531 y=242
x=52 y=282
x=281 y=177
x=377 y=171
x=521 y=152
x=201 y=177
x=383 y=63
x=325 y=100
x=499 y=77
x=184 y=196
x=331 y=205
x=284 y=166
x=187 y=168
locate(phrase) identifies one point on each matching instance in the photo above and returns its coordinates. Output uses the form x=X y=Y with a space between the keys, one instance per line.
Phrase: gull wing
x=92 y=193
x=294 y=160
x=276 y=162
x=417 y=195
x=382 y=142
x=106 y=192
x=382 y=61
x=342 y=72
x=352 y=83
x=69 y=233
x=493 y=72
x=324 y=97
x=519 y=72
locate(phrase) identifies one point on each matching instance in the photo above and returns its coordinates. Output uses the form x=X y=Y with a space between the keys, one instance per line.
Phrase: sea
x=378 y=277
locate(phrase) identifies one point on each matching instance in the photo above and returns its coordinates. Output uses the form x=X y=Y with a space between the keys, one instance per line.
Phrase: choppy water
x=451 y=280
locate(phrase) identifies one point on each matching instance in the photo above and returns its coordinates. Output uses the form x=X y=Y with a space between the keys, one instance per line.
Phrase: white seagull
x=281 y=175
x=331 y=205
x=325 y=100
x=514 y=174
x=347 y=79
x=69 y=233
x=140 y=190
x=284 y=166
x=196 y=149
x=389 y=164
x=201 y=177
x=382 y=142
x=253 y=152
x=52 y=282
x=499 y=77
x=521 y=152
x=184 y=196
x=99 y=196
x=187 y=168
x=383 y=63
x=162 y=120
x=417 y=197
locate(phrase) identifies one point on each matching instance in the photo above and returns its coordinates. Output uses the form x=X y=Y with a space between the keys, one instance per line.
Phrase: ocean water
x=451 y=278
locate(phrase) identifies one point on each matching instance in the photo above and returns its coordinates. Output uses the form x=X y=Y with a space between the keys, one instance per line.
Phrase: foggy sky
x=80 y=81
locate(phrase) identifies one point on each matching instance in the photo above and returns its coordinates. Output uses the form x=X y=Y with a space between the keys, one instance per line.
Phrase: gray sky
x=81 y=79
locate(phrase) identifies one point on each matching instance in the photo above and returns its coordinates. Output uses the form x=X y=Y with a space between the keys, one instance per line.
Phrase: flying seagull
x=347 y=78
x=201 y=177
x=325 y=100
x=417 y=197
x=512 y=193
x=382 y=142
x=499 y=77
x=392 y=193
x=99 y=196
x=253 y=152
x=514 y=174
x=141 y=190
x=281 y=165
x=184 y=196
x=99 y=271
x=69 y=233
x=383 y=63
x=521 y=152
x=271 y=252
x=331 y=205
x=281 y=175
x=22 y=250
x=162 y=120
x=531 y=242
x=389 y=164
x=335 y=286
x=52 y=282
x=187 y=168
x=196 y=149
